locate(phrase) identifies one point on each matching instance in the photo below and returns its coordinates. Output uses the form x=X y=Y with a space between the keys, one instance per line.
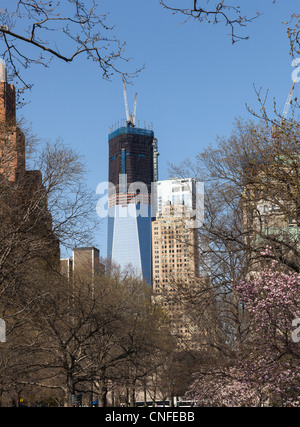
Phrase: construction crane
x=130 y=119
x=134 y=109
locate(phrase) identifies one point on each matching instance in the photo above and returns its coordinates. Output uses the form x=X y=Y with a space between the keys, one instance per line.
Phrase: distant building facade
x=175 y=192
x=270 y=215
x=84 y=264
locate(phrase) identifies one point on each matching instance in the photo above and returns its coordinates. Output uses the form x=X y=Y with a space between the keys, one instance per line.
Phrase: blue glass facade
x=129 y=239
x=130 y=131
x=129 y=220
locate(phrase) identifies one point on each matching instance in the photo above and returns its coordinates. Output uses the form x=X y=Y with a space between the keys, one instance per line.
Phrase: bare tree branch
x=214 y=12
x=36 y=31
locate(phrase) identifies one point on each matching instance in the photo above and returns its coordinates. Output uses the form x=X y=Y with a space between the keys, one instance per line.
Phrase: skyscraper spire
x=3 y=74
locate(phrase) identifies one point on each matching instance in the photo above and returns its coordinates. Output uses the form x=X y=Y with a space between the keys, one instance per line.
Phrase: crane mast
x=126 y=102
x=134 y=110
x=130 y=119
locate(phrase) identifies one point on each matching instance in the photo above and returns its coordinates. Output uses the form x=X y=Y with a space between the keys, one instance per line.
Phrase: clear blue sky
x=194 y=84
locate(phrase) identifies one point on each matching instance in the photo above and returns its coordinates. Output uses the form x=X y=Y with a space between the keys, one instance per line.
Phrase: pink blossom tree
x=273 y=302
x=265 y=371
x=223 y=387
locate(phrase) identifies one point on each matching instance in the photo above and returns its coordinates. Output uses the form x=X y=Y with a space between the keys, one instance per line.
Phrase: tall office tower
x=186 y=197
x=12 y=145
x=174 y=250
x=132 y=169
x=175 y=262
x=175 y=201
x=179 y=263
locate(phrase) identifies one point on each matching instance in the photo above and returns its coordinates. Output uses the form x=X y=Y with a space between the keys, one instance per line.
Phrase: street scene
x=149 y=206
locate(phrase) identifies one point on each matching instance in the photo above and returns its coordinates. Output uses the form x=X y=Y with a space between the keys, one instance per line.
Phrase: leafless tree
x=39 y=210
x=213 y=12
x=293 y=32
x=37 y=31
x=251 y=219
x=83 y=337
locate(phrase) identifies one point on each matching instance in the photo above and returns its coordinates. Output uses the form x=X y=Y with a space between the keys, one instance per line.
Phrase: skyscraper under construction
x=132 y=170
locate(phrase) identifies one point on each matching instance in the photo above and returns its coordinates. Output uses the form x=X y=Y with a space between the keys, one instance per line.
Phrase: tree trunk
x=132 y=395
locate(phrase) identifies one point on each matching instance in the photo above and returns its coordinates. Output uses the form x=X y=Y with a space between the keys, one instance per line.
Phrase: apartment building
x=175 y=267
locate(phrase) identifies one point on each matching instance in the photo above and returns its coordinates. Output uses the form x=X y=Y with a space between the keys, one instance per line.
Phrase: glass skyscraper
x=132 y=156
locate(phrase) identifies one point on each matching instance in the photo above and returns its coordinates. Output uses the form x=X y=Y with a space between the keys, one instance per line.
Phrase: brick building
x=24 y=199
